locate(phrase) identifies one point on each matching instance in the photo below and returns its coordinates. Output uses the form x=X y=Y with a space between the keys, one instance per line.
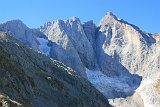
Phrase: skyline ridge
x=107 y=13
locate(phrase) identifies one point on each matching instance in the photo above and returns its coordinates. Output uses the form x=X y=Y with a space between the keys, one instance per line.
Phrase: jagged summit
x=113 y=56
x=20 y=31
x=111 y=19
x=60 y=23
x=110 y=14
x=13 y=21
x=108 y=18
x=74 y=18
x=91 y=21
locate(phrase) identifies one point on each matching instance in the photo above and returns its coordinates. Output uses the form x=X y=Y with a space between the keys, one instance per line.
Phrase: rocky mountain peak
x=110 y=14
x=74 y=18
x=20 y=31
x=113 y=21
x=109 y=18
x=90 y=23
x=113 y=57
x=90 y=30
x=12 y=24
x=16 y=21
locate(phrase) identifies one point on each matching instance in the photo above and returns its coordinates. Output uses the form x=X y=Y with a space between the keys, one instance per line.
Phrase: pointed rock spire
x=109 y=18
x=110 y=14
x=73 y=18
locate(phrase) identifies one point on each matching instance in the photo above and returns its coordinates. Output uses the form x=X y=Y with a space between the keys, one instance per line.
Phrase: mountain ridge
x=113 y=52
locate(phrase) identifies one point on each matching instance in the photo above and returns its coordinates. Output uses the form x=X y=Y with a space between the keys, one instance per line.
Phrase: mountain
x=70 y=44
x=133 y=47
x=19 y=30
x=31 y=79
x=118 y=58
x=125 y=48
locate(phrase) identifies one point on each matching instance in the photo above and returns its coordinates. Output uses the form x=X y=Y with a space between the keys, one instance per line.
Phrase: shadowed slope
x=35 y=80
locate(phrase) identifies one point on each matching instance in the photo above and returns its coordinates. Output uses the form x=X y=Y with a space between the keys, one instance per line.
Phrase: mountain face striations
x=70 y=44
x=118 y=58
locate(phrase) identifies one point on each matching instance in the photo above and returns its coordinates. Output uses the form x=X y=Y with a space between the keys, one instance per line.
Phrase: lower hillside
x=31 y=79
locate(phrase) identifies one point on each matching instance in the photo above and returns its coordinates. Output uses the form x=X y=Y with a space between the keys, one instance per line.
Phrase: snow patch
x=43 y=47
x=104 y=83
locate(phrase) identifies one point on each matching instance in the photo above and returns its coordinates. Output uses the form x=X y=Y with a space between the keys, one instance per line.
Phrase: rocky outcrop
x=149 y=91
x=125 y=49
x=157 y=37
x=70 y=44
x=115 y=56
x=128 y=45
x=7 y=102
x=20 y=31
x=147 y=95
x=90 y=30
x=31 y=79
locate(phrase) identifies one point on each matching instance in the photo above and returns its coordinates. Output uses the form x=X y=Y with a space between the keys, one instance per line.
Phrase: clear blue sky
x=34 y=13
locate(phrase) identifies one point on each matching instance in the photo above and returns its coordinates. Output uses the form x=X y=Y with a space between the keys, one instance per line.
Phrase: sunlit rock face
x=127 y=45
x=125 y=49
x=70 y=44
x=157 y=37
x=117 y=57
x=20 y=31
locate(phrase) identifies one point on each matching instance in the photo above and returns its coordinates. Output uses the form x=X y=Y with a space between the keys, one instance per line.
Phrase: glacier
x=110 y=85
x=43 y=45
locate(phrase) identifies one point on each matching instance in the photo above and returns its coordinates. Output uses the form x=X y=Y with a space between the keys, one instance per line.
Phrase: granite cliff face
x=118 y=58
x=134 y=48
x=70 y=44
x=31 y=79
x=124 y=48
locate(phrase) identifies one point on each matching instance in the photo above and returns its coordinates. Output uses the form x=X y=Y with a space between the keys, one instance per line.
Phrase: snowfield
x=44 y=45
x=109 y=86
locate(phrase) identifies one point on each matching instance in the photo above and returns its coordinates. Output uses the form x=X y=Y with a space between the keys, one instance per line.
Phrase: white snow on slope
x=106 y=84
x=43 y=45
x=149 y=91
